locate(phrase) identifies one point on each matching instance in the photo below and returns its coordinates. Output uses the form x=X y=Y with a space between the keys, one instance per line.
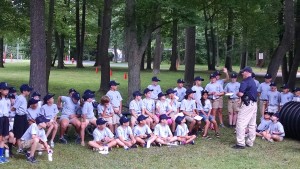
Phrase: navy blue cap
x=212 y=76
x=163 y=116
x=76 y=96
x=88 y=91
x=253 y=75
x=141 y=118
x=180 y=81
x=100 y=121
x=12 y=90
x=297 y=89
x=113 y=83
x=4 y=86
x=11 y=96
x=160 y=94
x=72 y=90
x=137 y=93
x=198 y=78
x=233 y=75
x=41 y=119
x=32 y=101
x=204 y=91
x=155 y=79
x=169 y=91
x=179 y=119
x=276 y=115
x=48 y=96
x=217 y=73
x=147 y=90
x=25 y=87
x=189 y=91
x=247 y=69
x=88 y=96
x=268 y=76
x=284 y=86
x=36 y=94
x=273 y=84
x=123 y=120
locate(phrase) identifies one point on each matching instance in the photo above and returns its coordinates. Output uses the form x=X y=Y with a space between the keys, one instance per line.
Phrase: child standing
x=180 y=90
x=125 y=134
x=285 y=95
x=20 y=122
x=163 y=132
x=197 y=88
x=4 y=121
x=11 y=136
x=296 y=97
x=155 y=87
x=88 y=116
x=103 y=137
x=150 y=108
x=182 y=131
x=49 y=110
x=35 y=138
x=143 y=133
x=233 y=101
x=275 y=132
x=262 y=90
x=273 y=99
x=205 y=109
x=116 y=101
x=106 y=111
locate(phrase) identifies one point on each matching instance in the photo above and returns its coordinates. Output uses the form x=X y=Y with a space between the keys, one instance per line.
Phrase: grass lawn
x=215 y=153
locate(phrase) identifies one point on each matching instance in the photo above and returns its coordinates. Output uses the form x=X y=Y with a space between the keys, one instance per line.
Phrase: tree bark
x=1 y=52
x=149 y=58
x=143 y=61
x=77 y=51
x=287 y=38
x=229 y=41
x=60 y=62
x=157 y=53
x=98 y=55
x=105 y=36
x=80 y=58
x=284 y=70
x=213 y=46
x=38 y=78
x=174 y=55
x=190 y=53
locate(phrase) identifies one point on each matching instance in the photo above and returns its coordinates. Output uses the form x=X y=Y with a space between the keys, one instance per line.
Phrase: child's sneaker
x=51 y=144
x=20 y=151
x=32 y=160
x=134 y=146
x=3 y=159
x=126 y=148
x=192 y=142
x=63 y=140
x=271 y=141
x=148 y=144
x=104 y=152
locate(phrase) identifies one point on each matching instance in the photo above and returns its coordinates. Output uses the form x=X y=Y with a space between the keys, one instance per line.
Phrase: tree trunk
x=190 y=52
x=1 y=52
x=38 y=46
x=116 y=56
x=49 y=40
x=296 y=61
x=157 y=53
x=174 y=55
x=80 y=58
x=208 y=46
x=229 y=41
x=287 y=39
x=60 y=62
x=149 y=58
x=213 y=46
x=244 y=49
x=105 y=36
x=143 y=61
x=284 y=70
x=97 y=59
x=77 y=51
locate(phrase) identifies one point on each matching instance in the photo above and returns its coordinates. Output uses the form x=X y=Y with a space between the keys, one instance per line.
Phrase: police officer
x=247 y=114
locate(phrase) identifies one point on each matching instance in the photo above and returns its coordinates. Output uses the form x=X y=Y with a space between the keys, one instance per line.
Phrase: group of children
x=169 y=118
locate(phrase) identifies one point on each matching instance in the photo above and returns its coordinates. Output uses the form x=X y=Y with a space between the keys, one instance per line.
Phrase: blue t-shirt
x=263 y=89
x=248 y=87
x=232 y=88
x=285 y=97
x=273 y=98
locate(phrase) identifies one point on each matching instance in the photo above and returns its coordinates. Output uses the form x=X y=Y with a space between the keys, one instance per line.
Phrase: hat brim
x=104 y=122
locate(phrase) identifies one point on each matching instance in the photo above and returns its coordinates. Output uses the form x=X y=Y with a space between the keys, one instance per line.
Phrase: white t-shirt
x=138 y=130
x=149 y=104
x=115 y=98
x=88 y=110
x=188 y=105
x=34 y=130
x=32 y=114
x=4 y=107
x=173 y=105
x=180 y=92
x=156 y=89
x=206 y=108
x=163 y=107
x=197 y=95
x=49 y=111
x=264 y=124
x=162 y=131
x=137 y=106
x=20 y=105
x=109 y=109
x=277 y=127
x=181 y=130
x=124 y=132
x=101 y=134
x=69 y=107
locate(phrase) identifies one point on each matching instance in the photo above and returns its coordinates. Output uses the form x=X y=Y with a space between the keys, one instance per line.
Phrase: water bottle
x=50 y=155
x=6 y=153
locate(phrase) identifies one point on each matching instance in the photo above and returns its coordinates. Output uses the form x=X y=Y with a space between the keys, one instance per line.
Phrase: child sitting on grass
x=264 y=124
x=143 y=133
x=182 y=131
x=275 y=132
x=163 y=132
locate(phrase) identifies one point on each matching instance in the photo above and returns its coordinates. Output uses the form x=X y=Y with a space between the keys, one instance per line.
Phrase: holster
x=246 y=100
